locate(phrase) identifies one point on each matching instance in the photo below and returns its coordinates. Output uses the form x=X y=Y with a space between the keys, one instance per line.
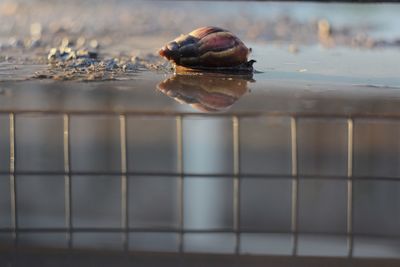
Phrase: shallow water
x=271 y=92
x=209 y=160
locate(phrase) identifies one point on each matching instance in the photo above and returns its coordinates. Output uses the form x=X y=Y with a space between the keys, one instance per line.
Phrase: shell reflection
x=206 y=92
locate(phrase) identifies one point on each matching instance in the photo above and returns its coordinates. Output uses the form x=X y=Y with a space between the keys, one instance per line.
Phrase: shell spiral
x=208 y=47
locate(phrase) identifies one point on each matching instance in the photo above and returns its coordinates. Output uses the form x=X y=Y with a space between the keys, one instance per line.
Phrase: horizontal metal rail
x=174 y=114
x=244 y=176
x=188 y=231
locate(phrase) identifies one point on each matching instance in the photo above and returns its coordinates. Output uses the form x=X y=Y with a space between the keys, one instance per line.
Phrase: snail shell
x=207 y=47
x=207 y=92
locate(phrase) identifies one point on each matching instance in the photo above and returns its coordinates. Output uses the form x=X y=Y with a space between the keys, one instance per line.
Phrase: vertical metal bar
x=180 y=167
x=124 y=182
x=13 y=184
x=295 y=183
x=236 y=181
x=350 y=158
x=67 y=179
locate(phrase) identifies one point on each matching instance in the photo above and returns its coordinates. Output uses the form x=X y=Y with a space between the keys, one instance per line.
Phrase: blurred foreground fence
x=274 y=184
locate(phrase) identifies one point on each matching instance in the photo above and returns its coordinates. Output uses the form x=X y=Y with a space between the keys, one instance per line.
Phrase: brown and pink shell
x=209 y=92
x=208 y=48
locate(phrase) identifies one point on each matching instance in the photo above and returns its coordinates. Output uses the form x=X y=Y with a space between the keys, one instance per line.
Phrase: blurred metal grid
x=236 y=174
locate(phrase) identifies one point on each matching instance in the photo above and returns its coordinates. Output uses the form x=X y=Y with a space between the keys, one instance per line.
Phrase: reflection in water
x=206 y=147
x=206 y=92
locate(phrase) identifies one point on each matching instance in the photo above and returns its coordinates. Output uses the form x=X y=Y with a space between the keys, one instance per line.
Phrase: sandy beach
x=124 y=36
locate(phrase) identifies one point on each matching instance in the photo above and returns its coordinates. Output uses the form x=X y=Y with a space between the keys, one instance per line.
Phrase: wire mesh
x=125 y=174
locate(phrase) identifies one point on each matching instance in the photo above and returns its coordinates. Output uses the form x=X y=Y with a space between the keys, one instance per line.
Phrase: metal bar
x=350 y=158
x=124 y=182
x=180 y=168
x=188 y=231
x=67 y=178
x=178 y=230
x=236 y=180
x=163 y=113
x=13 y=184
x=167 y=175
x=295 y=182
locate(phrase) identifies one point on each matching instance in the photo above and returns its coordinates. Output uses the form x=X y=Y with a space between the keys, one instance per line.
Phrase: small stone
x=293 y=49
x=32 y=43
x=83 y=63
x=35 y=43
x=325 y=33
x=53 y=54
x=71 y=55
x=16 y=43
x=39 y=75
x=93 y=54
x=94 y=44
x=65 y=50
x=324 y=28
x=65 y=42
x=91 y=77
x=80 y=42
x=129 y=67
x=82 y=53
x=27 y=43
x=111 y=64
x=36 y=30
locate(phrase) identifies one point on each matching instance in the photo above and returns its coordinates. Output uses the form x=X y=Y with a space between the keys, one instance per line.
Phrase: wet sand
x=124 y=36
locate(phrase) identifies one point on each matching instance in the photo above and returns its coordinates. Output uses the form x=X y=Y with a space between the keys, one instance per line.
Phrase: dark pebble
x=92 y=54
